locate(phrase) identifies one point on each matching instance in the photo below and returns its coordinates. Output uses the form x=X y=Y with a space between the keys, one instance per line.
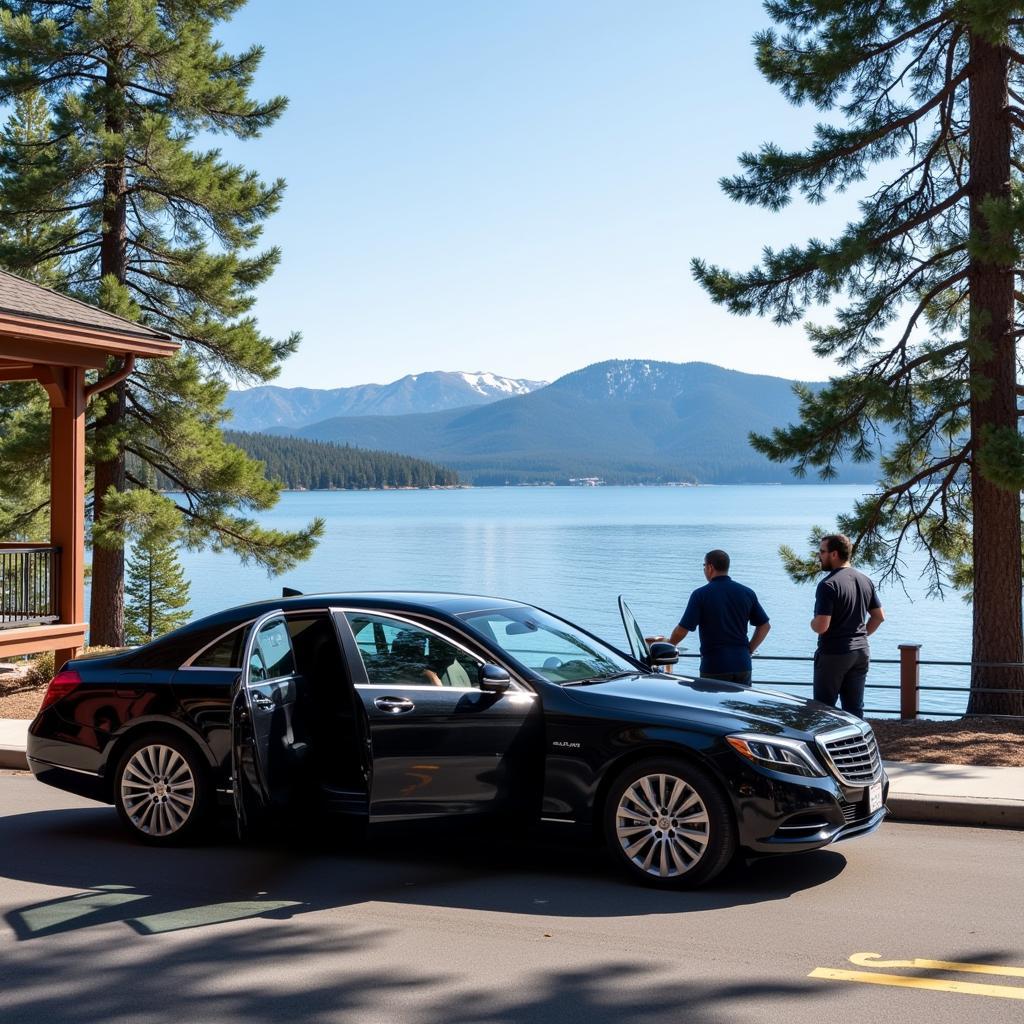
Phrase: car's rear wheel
x=162 y=790
x=668 y=824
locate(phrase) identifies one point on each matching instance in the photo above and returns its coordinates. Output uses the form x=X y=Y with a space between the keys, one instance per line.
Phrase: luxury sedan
x=399 y=706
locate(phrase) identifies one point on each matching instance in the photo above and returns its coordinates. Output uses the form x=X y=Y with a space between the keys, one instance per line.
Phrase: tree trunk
x=106 y=607
x=998 y=634
x=106 y=611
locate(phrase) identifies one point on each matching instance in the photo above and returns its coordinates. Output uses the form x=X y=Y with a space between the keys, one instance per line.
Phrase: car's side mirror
x=662 y=653
x=493 y=679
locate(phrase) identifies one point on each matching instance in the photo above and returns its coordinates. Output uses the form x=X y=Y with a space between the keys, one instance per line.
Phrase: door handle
x=262 y=702
x=394 y=705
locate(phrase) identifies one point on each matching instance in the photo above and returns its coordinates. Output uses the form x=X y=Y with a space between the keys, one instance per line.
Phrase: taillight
x=60 y=686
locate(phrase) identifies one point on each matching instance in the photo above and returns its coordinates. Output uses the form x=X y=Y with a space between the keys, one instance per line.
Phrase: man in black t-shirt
x=846 y=612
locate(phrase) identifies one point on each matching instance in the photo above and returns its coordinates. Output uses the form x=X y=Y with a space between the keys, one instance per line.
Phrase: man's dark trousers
x=728 y=677
x=842 y=676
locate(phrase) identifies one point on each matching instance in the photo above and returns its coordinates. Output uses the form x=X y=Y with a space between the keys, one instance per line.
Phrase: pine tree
x=927 y=318
x=156 y=590
x=159 y=229
x=26 y=240
x=24 y=410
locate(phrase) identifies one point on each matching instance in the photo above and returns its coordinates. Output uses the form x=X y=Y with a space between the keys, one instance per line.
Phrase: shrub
x=41 y=668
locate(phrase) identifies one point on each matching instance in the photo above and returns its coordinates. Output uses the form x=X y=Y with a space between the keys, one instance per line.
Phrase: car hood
x=720 y=707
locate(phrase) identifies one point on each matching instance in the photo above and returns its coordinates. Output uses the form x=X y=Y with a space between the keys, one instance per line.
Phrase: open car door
x=634 y=634
x=262 y=713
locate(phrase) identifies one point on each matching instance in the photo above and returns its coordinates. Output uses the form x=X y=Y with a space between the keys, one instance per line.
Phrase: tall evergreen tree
x=927 y=316
x=24 y=410
x=159 y=229
x=23 y=153
x=156 y=591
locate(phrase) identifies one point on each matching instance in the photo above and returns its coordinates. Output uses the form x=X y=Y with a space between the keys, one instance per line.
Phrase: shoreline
x=550 y=485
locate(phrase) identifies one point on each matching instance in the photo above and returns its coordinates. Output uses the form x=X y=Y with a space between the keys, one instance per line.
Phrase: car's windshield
x=548 y=646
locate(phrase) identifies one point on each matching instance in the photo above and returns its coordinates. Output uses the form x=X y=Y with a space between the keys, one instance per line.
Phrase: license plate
x=874 y=797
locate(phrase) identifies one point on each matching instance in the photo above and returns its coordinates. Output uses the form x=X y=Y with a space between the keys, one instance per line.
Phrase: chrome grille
x=852 y=755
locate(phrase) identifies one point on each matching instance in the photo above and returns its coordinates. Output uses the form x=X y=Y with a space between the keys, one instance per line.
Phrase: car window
x=271 y=656
x=397 y=653
x=223 y=653
x=174 y=649
x=548 y=646
x=226 y=651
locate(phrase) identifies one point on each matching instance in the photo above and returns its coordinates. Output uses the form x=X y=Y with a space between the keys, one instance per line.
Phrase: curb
x=956 y=810
x=13 y=757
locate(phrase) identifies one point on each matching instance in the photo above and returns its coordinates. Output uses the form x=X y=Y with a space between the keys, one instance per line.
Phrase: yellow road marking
x=875 y=960
x=968 y=988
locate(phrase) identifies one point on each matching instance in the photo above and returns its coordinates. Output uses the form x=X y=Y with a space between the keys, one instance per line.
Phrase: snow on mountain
x=491 y=384
x=261 y=408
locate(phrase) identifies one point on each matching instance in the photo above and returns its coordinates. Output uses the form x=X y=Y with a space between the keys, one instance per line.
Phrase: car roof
x=205 y=629
x=395 y=600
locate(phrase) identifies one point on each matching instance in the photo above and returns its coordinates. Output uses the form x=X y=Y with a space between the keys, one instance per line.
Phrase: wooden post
x=910 y=677
x=67 y=498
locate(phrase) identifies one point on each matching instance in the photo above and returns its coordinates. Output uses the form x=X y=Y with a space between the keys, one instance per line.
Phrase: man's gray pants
x=842 y=676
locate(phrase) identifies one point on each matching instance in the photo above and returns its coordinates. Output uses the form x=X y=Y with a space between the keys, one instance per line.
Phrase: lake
x=573 y=550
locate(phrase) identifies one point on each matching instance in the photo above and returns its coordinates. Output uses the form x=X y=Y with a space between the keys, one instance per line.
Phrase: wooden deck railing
x=28 y=585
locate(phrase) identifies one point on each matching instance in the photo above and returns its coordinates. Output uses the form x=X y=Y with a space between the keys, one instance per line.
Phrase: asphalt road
x=431 y=929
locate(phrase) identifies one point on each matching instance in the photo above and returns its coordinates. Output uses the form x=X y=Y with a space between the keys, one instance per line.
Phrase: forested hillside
x=626 y=421
x=320 y=465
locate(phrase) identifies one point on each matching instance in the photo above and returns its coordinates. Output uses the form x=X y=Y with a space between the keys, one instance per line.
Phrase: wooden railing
x=28 y=585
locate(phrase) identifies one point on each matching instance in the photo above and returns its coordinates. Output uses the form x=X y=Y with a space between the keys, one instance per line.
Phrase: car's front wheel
x=161 y=790
x=668 y=824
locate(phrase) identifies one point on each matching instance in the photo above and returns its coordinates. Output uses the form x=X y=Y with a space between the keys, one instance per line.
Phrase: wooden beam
x=24 y=337
x=53 y=380
x=12 y=371
x=53 y=353
x=64 y=636
x=67 y=494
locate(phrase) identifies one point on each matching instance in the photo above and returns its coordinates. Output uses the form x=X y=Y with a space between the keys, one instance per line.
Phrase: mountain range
x=626 y=421
x=270 y=406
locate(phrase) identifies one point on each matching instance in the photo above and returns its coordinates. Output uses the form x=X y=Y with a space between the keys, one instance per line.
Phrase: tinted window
x=224 y=653
x=227 y=651
x=271 y=656
x=550 y=647
x=176 y=648
x=399 y=653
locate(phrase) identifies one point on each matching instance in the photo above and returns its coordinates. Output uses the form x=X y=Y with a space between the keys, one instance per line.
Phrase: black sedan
x=397 y=706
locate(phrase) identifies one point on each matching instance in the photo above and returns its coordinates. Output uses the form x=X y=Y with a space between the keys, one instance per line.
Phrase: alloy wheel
x=158 y=790
x=662 y=825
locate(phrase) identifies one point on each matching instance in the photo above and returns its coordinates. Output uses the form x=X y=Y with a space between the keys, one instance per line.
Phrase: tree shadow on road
x=267 y=976
x=153 y=891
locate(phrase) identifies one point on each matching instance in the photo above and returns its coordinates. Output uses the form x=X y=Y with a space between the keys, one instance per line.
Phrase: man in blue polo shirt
x=721 y=610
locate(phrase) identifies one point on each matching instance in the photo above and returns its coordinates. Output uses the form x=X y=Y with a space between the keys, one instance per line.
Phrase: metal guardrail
x=909 y=685
x=28 y=585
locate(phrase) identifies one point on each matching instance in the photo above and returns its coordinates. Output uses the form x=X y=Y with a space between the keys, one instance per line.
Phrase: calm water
x=574 y=550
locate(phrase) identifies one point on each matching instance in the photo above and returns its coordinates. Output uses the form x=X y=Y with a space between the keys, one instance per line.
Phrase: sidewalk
x=955 y=794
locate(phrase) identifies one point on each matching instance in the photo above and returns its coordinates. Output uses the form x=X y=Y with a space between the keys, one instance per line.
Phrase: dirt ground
x=980 y=741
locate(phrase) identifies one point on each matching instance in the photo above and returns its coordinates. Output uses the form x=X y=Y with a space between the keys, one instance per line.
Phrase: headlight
x=780 y=755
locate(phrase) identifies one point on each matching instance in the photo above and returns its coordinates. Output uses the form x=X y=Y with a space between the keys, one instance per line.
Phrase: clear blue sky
x=515 y=186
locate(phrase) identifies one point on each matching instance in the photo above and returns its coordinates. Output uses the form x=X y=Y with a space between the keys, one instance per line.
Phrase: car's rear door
x=439 y=744
x=262 y=713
